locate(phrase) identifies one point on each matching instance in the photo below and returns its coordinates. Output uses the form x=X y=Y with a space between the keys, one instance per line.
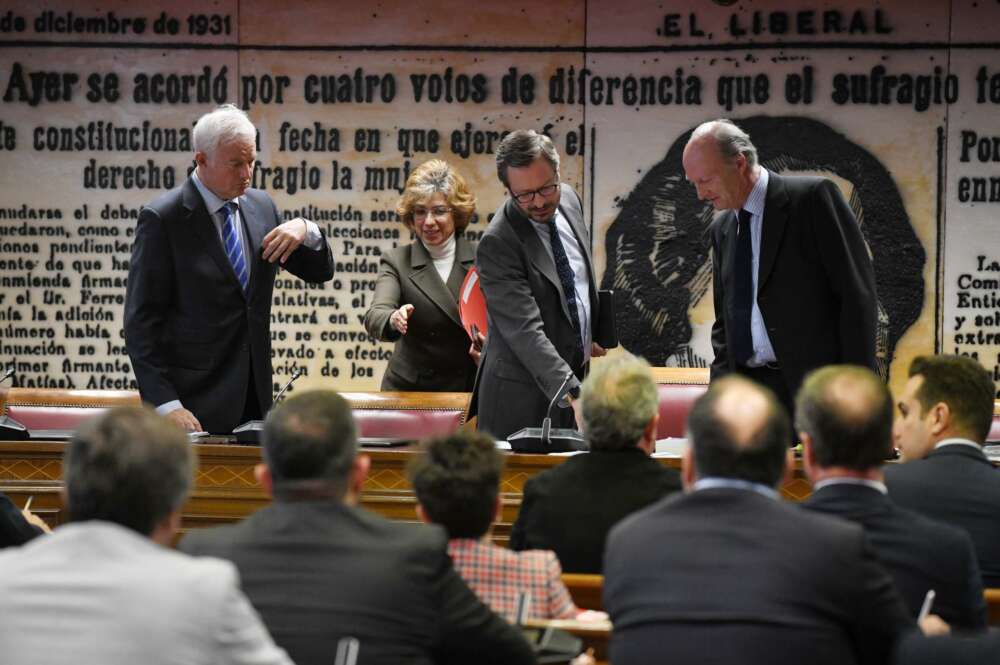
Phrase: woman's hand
x=401 y=318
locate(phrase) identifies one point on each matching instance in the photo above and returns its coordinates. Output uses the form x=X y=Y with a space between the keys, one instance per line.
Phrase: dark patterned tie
x=568 y=279
x=233 y=246
x=743 y=300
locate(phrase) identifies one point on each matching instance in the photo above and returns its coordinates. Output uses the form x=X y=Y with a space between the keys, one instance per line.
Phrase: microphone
x=10 y=429
x=295 y=375
x=545 y=439
x=250 y=431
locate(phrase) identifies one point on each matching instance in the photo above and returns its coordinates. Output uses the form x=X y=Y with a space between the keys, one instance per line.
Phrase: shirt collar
x=711 y=483
x=755 y=201
x=874 y=484
x=212 y=202
x=957 y=442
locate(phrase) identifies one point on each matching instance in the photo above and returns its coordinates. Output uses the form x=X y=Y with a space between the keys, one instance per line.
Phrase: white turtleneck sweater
x=443 y=256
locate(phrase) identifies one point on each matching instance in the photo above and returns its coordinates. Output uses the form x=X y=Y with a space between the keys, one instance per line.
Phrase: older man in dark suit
x=793 y=283
x=541 y=303
x=844 y=417
x=319 y=569
x=198 y=302
x=727 y=573
x=945 y=413
x=571 y=507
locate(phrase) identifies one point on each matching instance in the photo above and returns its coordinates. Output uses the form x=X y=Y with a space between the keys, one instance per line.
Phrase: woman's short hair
x=432 y=177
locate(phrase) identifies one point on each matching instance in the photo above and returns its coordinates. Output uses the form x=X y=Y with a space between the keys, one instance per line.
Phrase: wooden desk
x=595 y=634
x=225 y=489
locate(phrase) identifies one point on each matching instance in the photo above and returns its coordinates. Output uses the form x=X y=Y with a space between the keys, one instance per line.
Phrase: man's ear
x=422 y=514
x=359 y=473
x=648 y=441
x=688 y=475
x=939 y=419
x=264 y=478
x=200 y=158
x=808 y=455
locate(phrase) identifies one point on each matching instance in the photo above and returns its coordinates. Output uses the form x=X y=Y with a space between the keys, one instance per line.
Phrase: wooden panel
x=225 y=489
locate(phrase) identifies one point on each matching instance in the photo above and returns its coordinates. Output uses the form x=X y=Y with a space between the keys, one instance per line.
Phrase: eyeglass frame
x=437 y=212
x=521 y=198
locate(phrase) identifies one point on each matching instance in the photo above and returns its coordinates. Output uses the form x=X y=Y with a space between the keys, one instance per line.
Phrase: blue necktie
x=233 y=246
x=743 y=300
x=568 y=279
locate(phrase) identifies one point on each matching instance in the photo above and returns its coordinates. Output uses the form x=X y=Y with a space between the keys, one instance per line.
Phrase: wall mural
x=895 y=101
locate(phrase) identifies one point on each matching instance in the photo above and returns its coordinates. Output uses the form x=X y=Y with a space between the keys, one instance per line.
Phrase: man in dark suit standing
x=318 y=568
x=571 y=507
x=198 y=302
x=844 y=418
x=945 y=413
x=541 y=303
x=793 y=283
x=728 y=573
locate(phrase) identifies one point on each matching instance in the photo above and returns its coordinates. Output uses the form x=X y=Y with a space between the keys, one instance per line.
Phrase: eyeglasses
x=544 y=192
x=437 y=212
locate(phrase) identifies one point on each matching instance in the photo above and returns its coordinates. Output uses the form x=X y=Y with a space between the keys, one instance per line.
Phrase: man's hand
x=283 y=240
x=476 y=348
x=597 y=351
x=185 y=419
x=932 y=625
x=400 y=318
x=35 y=520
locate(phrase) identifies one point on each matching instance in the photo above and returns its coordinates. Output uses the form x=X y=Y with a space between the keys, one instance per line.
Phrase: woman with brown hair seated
x=416 y=295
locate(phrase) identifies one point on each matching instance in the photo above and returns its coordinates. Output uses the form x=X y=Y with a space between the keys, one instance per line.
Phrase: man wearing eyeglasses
x=538 y=280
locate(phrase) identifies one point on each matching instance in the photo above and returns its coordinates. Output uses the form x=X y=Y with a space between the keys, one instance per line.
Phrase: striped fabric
x=232 y=245
x=498 y=575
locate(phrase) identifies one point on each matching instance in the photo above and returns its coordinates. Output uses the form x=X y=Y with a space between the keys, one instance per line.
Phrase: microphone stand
x=546 y=439
x=10 y=429
x=250 y=431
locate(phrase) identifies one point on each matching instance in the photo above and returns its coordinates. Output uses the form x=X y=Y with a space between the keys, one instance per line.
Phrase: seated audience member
x=319 y=568
x=844 y=416
x=106 y=588
x=457 y=483
x=728 y=573
x=945 y=413
x=18 y=526
x=571 y=507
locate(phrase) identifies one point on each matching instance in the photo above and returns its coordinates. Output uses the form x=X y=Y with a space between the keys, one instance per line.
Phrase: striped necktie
x=568 y=280
x=233 y=246
x=743 y=300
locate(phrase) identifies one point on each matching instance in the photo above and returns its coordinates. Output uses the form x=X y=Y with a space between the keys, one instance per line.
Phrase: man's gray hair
x=732 y=140
x=618 y=399
x=522 y=147
x=223 y=125
x=128 y=466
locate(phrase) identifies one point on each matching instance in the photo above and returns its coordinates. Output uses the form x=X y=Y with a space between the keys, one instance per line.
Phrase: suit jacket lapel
x=772 y=228
x=201 y=223
x=728 y=251
x=425 y=277
x=534 y=250
x=465 y=259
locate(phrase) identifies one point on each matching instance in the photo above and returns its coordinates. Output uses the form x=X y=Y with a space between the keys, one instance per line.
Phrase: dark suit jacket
x=434 y=353
x=570 y=508
x=531 y=343
x=816 y=285
x=919 y=553
x=191 y=332
x=319 y=571
x=956 y=485
x=919 y=650
x=14 y=529
x=730 y=576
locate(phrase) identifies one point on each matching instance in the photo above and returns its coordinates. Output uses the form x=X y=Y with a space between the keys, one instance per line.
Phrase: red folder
x=472 y=305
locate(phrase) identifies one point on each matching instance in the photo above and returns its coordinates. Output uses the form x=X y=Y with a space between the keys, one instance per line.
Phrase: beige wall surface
x=895 y=100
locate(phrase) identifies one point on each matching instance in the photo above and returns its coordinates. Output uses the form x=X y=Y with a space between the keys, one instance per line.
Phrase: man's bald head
x=846 y=411
x=738 y=430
